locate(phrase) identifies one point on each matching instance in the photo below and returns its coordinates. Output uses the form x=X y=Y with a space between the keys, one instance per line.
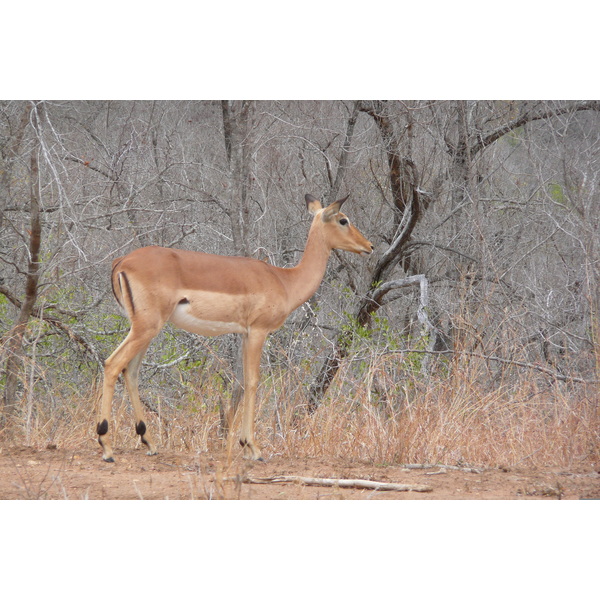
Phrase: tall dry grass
x=455 y=416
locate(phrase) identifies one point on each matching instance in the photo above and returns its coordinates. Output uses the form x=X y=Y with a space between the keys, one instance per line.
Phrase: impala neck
x=304 y=279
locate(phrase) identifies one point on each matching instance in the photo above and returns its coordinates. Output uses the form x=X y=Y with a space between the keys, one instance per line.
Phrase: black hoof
x=110 y=459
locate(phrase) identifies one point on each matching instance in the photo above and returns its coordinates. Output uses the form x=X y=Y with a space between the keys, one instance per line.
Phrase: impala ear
x=312 y=204
x=340 y=202
x=334 y=208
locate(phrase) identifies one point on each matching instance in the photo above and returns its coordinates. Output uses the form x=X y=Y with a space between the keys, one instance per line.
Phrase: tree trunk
x=11 y=155
x=237 y=125
x=15 y=344
x=407 y=202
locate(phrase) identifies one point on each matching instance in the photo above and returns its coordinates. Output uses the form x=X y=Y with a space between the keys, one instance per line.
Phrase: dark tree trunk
x=408 y=211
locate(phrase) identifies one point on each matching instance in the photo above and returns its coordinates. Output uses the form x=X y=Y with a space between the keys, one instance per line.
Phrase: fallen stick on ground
x=447 y=467
x=342 y=483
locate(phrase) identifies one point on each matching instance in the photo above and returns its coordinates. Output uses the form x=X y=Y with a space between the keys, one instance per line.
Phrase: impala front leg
x=252 y=346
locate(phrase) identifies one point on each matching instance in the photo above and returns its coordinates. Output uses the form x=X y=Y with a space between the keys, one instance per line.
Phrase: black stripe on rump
x=112 y=285
x=127 y=289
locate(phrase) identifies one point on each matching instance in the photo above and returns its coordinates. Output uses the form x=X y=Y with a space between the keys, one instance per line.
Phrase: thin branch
x=418 y=243
x=506 y=361
x=412 y=467
x=380 y=486
x=89 y=165
x=484 y=141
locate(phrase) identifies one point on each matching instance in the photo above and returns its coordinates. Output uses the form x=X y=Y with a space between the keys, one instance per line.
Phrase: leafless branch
x=507 y=361
x=379 y=486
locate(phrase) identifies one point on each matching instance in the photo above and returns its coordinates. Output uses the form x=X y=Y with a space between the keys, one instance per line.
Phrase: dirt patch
x=28 y=473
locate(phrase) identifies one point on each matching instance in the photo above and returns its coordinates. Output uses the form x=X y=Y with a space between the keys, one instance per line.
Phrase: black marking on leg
x=184 y=301
x=244 y=443
x=102 y=428
x=140 y=429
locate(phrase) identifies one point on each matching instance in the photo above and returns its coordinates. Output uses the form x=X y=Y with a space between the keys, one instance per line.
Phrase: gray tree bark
x=15 y=345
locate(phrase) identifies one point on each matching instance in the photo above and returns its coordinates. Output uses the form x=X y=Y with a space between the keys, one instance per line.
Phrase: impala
x=213 y=295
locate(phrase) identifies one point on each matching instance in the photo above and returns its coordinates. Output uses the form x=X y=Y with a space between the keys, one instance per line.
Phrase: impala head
x=336 y=227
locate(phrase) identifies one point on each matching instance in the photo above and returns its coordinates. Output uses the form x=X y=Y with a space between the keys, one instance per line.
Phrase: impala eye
x=343 y=221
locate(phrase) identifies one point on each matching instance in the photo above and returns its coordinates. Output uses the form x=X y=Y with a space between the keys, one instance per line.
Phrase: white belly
x=184 y=320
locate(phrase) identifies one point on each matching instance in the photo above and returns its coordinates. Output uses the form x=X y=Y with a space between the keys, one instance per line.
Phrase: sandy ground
x=28 y=473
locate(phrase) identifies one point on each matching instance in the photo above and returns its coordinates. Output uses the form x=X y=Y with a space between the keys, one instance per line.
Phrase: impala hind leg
x=111 y=374
x=252 y=349
x=116 y=363
x=130 y=374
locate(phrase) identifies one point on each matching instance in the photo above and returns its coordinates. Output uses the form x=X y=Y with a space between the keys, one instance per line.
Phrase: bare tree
x=465 y=138
x=15 y=343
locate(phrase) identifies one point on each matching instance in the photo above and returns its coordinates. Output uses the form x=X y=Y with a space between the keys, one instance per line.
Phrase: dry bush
x=450 y=418
x=454 y=416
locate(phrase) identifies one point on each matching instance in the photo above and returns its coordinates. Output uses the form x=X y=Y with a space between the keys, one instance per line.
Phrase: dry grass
x=481 y=429
x=455 y=417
